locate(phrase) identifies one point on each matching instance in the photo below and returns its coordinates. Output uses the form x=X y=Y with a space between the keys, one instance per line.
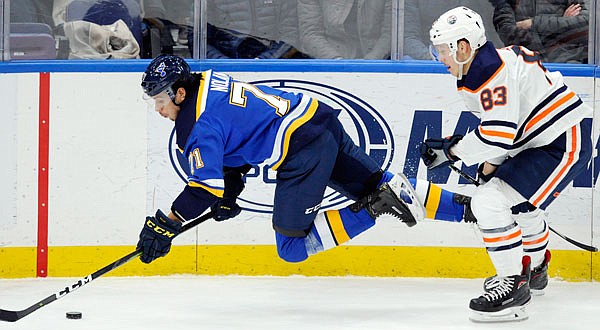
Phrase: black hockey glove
x=435 y=152
x=156 y=236
x=225 y=208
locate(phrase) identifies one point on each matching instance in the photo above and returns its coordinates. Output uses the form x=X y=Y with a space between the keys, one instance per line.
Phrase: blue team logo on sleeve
x=363 y=123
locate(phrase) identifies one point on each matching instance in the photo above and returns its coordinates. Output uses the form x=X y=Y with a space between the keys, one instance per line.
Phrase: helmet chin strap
x=172 y=95
x=460 y=71
x=461 y=64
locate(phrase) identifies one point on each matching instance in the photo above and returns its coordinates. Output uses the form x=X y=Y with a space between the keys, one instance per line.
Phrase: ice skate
x=403 y=189
x=386 y=200
x=537 y=282
x=539 y=276
x=505 y=301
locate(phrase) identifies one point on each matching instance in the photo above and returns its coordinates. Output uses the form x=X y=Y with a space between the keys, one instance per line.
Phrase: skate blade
x=537 y=293
x=511 y=314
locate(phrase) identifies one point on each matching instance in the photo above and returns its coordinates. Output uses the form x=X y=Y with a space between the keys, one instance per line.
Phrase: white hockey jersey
x=521 y=104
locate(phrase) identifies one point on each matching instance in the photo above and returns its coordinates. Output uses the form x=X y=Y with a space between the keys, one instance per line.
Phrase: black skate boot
x=505 y=301
x=385 y=201
x=539 y=276
x=537 y=283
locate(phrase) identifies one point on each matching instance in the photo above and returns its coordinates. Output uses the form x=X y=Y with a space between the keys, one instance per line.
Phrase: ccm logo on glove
x=158 y=229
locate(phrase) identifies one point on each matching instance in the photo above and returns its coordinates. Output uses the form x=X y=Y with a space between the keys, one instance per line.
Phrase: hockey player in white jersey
x=534 y=137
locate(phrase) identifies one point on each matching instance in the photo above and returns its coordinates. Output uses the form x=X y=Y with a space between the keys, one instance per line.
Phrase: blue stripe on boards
x=383 y=66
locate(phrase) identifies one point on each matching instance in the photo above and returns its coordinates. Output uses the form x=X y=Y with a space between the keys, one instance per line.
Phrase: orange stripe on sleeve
x=496 y=133
x=540 y=116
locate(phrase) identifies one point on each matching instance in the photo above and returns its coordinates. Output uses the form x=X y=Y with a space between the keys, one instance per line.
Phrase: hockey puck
x=74 y=315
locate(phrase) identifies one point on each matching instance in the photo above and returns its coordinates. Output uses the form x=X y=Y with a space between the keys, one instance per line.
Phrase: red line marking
x=43 y=160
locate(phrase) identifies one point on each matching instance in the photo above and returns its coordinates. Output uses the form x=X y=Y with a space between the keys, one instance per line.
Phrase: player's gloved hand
x=225 y=208
x=436 y=152
x=156 y=236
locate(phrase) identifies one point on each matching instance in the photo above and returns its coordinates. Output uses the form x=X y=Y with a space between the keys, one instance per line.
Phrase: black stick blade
x=9 y=316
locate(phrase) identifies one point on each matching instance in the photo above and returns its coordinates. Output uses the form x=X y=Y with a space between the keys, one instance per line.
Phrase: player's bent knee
x=487 y=205
x=291 y=249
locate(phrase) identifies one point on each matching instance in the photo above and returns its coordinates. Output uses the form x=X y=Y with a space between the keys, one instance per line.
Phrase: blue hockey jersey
x=234 y=123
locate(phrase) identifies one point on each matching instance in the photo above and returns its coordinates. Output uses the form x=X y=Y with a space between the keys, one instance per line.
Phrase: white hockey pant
x=505 y=234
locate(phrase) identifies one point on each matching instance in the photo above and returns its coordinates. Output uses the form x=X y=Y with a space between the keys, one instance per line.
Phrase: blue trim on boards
x=370 y=66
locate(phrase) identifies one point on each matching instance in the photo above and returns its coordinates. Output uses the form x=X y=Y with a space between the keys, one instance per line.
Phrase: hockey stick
x=570 y=240
x=12 y=316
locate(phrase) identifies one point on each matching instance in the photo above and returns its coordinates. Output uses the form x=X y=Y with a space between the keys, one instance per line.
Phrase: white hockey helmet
x=456 y=24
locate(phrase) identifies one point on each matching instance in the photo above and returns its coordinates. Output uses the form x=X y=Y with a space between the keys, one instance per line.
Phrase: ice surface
x=297 y=302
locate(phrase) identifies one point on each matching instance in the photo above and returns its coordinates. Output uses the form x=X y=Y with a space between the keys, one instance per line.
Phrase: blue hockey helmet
x=163 y=72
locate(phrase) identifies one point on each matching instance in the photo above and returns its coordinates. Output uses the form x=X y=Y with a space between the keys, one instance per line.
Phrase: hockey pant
x=509 y=232
x=510 y=208
x=335 y=227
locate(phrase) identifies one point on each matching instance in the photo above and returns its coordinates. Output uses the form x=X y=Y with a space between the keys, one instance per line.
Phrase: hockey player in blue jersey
x=223 y=126
x=533 y=139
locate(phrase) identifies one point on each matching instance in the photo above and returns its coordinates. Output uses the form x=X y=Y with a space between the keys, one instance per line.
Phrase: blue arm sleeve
x=234 y=183
x=192 y=202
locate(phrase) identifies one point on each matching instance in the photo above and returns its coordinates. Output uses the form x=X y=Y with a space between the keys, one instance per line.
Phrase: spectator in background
x=556 y=29
x=100 y=29
x=350 y=29
x=420 y=14
x=180 y=12
x=139 y=16
x=176 y=16
x=101 y=12
x=251 y=29
x=156 y=29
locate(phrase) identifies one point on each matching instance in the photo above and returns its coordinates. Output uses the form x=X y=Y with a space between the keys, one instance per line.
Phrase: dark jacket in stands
x=251 y=28
x=557 y=38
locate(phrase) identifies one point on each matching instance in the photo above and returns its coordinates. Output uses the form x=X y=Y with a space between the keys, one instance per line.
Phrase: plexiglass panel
x=284 y=29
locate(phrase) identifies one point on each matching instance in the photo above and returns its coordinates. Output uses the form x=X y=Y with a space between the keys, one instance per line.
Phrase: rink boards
x=85 y=161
